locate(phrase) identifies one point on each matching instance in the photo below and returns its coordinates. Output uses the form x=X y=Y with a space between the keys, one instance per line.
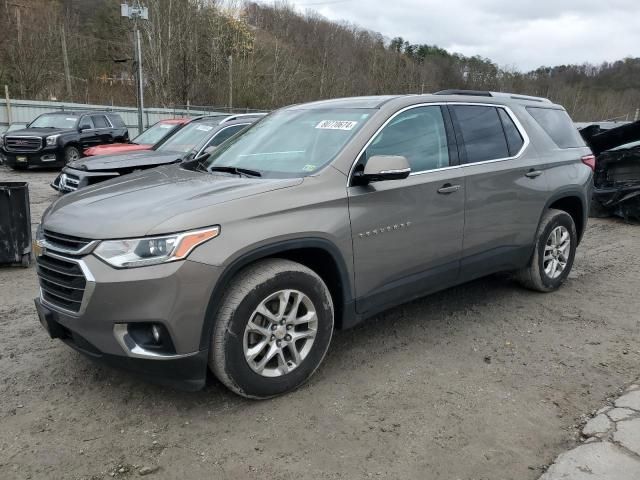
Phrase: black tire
x=533 y=276
x=246 y=291
x=71 y=153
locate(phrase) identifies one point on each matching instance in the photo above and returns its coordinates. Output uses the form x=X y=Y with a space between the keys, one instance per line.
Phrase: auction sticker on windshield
x=336 y=124
x=204 y=128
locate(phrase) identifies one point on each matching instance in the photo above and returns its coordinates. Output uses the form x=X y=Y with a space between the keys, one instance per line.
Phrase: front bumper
x=46 y=157
x=70 y=179
x=174 y=295
x=186 y=373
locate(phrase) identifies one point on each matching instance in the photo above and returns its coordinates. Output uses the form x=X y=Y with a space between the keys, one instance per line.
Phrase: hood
x=602 y=140
x=38 y=132
x=114 y=148
x=126 y=160
x=132 y=205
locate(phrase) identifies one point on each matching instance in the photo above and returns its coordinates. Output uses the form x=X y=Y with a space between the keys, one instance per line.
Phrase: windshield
x=290 y=143
x=188 y=137
x=155 y=133
x=54 y=121
x=16 y=126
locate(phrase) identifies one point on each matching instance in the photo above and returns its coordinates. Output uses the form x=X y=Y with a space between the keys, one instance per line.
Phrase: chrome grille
x=66 y=243
x=22 y=144
x=62 y=282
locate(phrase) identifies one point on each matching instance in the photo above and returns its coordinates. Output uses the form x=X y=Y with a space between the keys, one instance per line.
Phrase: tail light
x=589 y=161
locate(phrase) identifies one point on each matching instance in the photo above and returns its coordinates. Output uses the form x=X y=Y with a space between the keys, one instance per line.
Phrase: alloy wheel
x=280 y=333
x=556 y=252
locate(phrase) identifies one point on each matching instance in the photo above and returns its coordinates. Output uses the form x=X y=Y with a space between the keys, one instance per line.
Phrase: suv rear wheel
x=272 y=330
x=556 y=242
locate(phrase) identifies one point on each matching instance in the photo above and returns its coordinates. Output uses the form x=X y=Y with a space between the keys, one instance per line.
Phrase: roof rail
x=515 y=96
x=482 y=93
x=239 y=115
x=475 y=93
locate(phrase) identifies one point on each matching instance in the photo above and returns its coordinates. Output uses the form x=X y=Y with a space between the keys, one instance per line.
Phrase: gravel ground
x=483 y=381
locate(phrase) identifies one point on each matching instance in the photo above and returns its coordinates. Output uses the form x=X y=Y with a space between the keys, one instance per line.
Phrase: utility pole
x=6 y=96
x=230 y=83
x=65 y=59
x=137 y=13
x=140 y=79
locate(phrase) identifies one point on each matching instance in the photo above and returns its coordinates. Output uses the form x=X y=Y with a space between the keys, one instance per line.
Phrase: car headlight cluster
x=52 y=139
x=139 y=252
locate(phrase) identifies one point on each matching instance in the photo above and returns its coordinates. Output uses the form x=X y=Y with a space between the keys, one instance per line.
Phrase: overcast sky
x=523 y=34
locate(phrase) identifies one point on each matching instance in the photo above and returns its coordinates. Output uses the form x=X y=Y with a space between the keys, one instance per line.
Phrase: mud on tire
x=246 y=294
x=534 y=276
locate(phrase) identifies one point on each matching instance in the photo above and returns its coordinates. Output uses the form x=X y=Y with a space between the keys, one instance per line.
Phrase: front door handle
x=533 y=173
x=448 y=188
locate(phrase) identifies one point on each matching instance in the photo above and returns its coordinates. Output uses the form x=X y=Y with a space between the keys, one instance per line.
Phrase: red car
x=153 y=135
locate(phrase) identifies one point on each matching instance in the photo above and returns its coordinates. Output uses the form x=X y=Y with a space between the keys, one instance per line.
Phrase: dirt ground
x=483 y=381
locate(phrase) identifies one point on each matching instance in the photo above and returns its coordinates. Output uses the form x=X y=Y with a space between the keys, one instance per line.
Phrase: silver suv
x=320 y=215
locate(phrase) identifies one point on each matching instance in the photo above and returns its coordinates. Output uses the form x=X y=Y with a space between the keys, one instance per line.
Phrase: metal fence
x=24 y=111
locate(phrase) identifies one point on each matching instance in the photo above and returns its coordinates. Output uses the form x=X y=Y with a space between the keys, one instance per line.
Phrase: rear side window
x=514 y=139
x=558 y=125
x=116 y=121
x=100 y=121
x=482 y=133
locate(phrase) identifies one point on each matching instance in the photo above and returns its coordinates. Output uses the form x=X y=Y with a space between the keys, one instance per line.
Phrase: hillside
x=277 y=57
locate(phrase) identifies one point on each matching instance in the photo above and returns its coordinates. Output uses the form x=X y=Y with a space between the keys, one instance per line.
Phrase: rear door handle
x=533 y=173
x=448 y=188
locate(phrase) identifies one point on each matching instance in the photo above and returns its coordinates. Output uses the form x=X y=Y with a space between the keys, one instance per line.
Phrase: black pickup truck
x=54 y=139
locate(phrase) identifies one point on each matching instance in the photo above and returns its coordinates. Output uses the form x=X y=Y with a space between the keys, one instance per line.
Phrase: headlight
x=140 y=252
x=52 y=139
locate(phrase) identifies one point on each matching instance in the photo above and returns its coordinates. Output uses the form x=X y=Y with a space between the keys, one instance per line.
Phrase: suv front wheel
x=555 y=250
x=273 y=329
x=71 y=154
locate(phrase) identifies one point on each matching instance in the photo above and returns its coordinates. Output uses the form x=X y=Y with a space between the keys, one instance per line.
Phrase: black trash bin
x=15 y=224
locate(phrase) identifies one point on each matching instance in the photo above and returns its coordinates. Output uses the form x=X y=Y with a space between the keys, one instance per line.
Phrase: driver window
x=419 y=135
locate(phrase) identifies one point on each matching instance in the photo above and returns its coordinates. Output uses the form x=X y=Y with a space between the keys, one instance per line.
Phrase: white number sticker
x=336 y=125
x=204 y=128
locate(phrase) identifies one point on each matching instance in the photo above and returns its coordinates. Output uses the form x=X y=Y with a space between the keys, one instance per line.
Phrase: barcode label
x=336 y=124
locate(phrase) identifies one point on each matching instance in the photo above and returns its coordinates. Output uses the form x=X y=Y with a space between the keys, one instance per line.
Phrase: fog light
x=48 y=158
x=156 y=333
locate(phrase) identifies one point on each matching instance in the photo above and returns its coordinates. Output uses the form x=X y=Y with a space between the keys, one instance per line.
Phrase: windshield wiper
x=236 y=170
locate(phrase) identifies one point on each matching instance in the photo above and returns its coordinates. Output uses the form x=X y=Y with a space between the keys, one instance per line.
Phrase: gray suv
x=246 y=259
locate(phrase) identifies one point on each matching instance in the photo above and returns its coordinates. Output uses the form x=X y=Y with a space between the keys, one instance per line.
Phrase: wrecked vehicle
x=152 y=136
x=244 y=260
x=617 y=170
x=192 y=140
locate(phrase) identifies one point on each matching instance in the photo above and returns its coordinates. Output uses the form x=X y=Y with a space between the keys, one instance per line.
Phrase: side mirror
x=85 y=126
x=385 y=167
